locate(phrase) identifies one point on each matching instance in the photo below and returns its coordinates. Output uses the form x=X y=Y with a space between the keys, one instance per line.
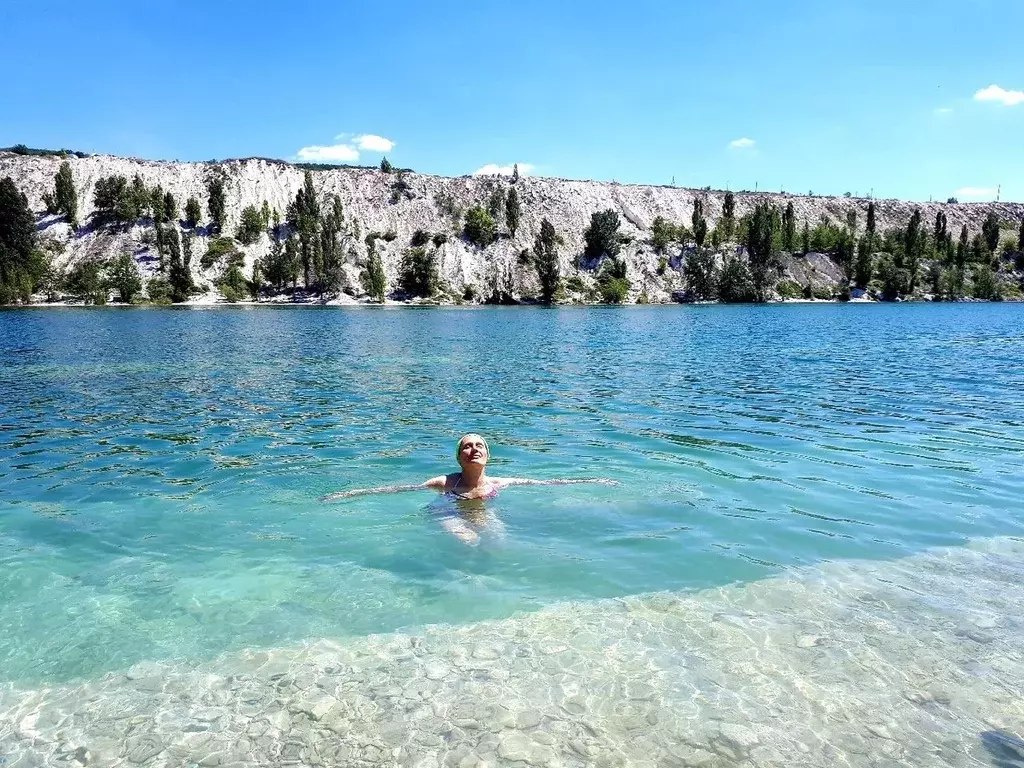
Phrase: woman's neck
x=472 y=478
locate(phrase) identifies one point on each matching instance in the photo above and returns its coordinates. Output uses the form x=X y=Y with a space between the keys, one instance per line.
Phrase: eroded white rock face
x=858 y=664
x=367 y=196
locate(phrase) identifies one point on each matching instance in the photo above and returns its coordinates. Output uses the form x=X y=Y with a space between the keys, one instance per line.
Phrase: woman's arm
x=434 y=483
x=507 y=481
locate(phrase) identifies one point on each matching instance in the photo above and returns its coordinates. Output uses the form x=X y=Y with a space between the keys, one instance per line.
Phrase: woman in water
x=471 y=484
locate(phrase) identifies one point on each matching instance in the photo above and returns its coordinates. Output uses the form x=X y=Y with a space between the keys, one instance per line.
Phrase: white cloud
x=944 y=111
x=995 y=93
x=371 y=143
x=743 y=143
x=976 y=192
x=493 y=169
x=336 y=153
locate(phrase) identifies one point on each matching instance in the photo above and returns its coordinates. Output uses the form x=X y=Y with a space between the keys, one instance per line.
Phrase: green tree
x=306 y=221
x=419 y=272
x=789 y=228
x=952 y=283
x=180 y=275
x=170 y=207
x=663 y=233
x=1020 y=237
x=545 y=251
x=986 y=286
x=845 y=250
x=851 y=221
x=805 y=239
x=123 y=276
x=871 y=221
x=602 y=236
x=250 y=226
x=515 y=172
x=961 y=247
x=613 y=282
x=864 y=267
x=86 y=281
x=216 y=203
x=513 y=211
x=265 y=213
x=193 y=213
x=761 y=250
x=496 y=204
x=990 y=232
x=728 y=216
x=22 y=267
x=386 y=166
x=913 y=248
x=156 y=197
x=894 y=278
x=735 y=284
x=699 y=223
x=376 y=280
x=701 y=272
x=64 y=195
x=480 y=228
x=940 y=233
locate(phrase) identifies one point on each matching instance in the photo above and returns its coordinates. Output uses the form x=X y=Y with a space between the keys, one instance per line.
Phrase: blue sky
x=833 y=96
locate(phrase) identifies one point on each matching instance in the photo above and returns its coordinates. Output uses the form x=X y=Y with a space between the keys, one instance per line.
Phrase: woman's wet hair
x=458 y=445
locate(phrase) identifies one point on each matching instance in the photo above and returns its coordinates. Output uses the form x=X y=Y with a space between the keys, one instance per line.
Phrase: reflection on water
x=914 y=662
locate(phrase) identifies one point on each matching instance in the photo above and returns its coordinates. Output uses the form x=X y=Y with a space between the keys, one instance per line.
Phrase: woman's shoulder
x=443 y=482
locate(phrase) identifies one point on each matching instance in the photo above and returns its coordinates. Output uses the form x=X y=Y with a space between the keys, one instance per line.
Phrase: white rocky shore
x=918 y=662
x=367 y=197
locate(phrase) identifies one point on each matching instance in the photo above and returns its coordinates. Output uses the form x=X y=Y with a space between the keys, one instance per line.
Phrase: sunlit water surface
x=812 y=555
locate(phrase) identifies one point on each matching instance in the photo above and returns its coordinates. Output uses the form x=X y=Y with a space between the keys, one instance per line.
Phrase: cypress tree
x=961 y=248
x=123 y=275
x=789 y=228
x=170 y=207
x=513 y=211
x=1020 y=237
x=157 y=204
x=20 y=267
x=990 y=232
x=912 y=244
x=760 y=244
x=700 y=224
x=545 y=251
x=307 y=220
x=376 y=279
x=807 y=238
x=193 y=213
x=64 y=195
x=729 y=216
x=871 y=221
x=216 y=203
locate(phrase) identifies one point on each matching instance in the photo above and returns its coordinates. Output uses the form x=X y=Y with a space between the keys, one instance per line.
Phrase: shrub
x=419 y=273
x=986 y=285
x=193 y=213
x=662 y=265
x=789 y=289
x=480 y=228
x=401 y=188
x=233 y=285
x=419 y=238
x=87 y=282
x=663 y=233
x=389 y=236
x=159 y=290
x=576 y=284
x=216 y=250
x=701 y=273
x=612 y=282
x=251 y=225
x=124 y=277
x=469 y=293
x=440 y=238
x=735 y=284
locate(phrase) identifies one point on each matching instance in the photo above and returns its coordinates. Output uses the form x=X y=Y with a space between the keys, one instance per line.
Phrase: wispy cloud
x=1003 y=96
x=743 y=143
x=335 y=153
x=943 y=111
x=371 y=143
x=493 y=169
x=976 y=192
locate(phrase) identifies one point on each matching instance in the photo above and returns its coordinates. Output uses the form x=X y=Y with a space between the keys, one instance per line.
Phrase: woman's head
x=472 y=450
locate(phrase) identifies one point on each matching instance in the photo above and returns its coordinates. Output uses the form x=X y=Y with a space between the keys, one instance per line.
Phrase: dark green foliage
x=845 y=249
x=233 y=285
x=961 y=247
x=789 y=228
x=990 y=232
x=699 y=223
x=1020 y=237
x=265 y=212
x=22 y=267
x=986 y=286
x=728 y=220
x=123 y=276
x=304 y=216
x=979 y=249
x=419 y=272
x=496 y=204
x=108 y=191
x=159 y=290
x=825 y=237
x=515 y=172
x=21 y=149
x=216 y=203
x=65 y=197
x=480 y=228
x=602 y=235
x=374 y=279
x=735 y=284
x=940 y=234
x=419 y=238
x=871 y=220
x=87 y=282
x=864 y=267
x=545 y=251
x=612 y=282
x=789 y=289
x=273 y=266
x=193 y=213
x=701 y=271
x=330 y=254
x=156 y=196
x=933 y=278
x=217 y=250
x=894 y=278
x=250 y=226
x=385 y=166
x=913 y=249
x=180 y=277
x=762 y=251
x=664 y=233
x=390 y=236
x=851 y=221
x=440 y=238
x=952 y=283
x=513 y=211
x=50 y=203
x=170 y=207
x=805 y=239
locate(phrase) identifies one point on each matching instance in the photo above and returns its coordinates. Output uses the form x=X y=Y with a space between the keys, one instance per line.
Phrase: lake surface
x=815 y=539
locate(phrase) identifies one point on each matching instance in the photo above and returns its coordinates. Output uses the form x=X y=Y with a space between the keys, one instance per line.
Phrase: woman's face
x=472 y=451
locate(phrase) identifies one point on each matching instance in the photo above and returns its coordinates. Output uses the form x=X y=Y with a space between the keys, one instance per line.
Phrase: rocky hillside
x=435 y=204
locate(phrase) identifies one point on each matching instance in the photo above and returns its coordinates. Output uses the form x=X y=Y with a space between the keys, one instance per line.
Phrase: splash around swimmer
x=471 y=482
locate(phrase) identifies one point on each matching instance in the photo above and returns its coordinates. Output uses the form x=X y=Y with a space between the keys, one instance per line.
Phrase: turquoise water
x=160 y=469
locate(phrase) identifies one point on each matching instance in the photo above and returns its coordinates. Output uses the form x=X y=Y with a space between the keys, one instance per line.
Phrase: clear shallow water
x=159 y=472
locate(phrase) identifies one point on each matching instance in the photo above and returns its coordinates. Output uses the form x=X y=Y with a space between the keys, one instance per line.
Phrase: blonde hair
x=458 y=445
